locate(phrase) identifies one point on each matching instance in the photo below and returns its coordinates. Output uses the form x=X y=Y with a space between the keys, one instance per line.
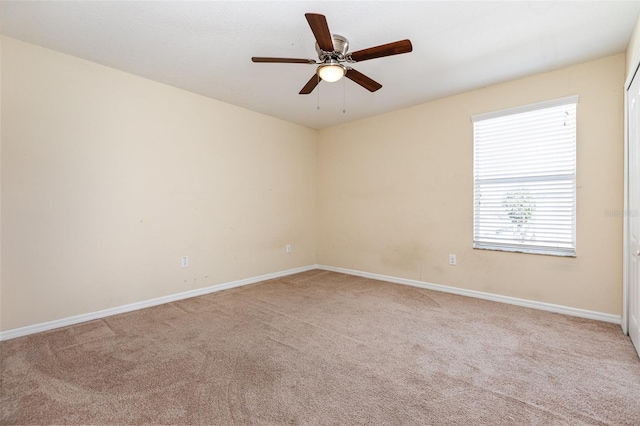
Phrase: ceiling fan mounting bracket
x=340 y=47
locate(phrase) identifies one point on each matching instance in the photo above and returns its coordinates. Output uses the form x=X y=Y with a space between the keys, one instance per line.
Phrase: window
x=525 y=178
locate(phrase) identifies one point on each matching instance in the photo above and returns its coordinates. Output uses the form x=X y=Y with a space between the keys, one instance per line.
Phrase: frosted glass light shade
x=331 y=73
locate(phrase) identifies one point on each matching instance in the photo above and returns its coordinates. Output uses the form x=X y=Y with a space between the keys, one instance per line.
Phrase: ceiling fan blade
x=283 y=60
x=320 y=28
x=311 y=84
x=395 y=48
x=363 y=80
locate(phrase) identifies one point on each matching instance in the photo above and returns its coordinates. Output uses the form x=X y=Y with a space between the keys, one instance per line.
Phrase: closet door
x=633 y=213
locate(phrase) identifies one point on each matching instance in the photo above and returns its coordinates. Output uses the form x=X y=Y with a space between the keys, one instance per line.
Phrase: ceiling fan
x=332 y=56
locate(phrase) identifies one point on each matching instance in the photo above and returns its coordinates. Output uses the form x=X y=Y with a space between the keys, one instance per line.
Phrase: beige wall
x=108 y=179
x=395 y=193
x=633 y=49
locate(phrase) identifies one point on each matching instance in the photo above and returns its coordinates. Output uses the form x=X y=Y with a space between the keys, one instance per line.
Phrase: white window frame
x=481 y=222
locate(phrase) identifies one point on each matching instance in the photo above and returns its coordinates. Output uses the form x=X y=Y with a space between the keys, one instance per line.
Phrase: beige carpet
x=325 y=348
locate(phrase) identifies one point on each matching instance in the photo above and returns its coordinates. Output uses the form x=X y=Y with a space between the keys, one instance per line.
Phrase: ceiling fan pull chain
x=344 y=95
x=318 y=106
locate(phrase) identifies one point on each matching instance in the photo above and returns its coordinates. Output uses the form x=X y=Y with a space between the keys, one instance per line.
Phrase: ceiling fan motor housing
x=340 y=47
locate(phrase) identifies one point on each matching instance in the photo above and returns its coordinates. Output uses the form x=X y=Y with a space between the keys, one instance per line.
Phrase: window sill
x=525 y=250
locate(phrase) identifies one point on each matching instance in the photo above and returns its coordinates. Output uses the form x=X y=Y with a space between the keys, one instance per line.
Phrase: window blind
x=525 y=178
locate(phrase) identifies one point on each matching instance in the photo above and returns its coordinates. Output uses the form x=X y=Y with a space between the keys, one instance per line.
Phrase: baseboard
x=46 y=326
x=582 y=313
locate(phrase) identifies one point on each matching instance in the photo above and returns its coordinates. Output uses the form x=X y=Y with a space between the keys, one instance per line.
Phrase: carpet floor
x=325 y=348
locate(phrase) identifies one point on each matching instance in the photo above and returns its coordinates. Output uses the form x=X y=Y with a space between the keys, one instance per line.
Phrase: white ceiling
x=205 y=47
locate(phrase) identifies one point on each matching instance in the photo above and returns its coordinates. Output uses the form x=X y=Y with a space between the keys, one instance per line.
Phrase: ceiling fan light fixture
x=331 y=71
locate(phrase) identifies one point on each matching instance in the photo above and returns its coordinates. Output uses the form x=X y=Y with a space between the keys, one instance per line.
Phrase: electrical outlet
x=453 y=260
x=184 y=262
x=288 y=248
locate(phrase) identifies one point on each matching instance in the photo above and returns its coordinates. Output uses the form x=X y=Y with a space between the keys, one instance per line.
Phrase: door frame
x=635 y=66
